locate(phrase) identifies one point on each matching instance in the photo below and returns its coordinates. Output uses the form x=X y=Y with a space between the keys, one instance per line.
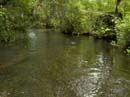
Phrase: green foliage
x=15 y=17
x=95 y=17
x=80 y=16
x=75 y=15
x=123 y=31
x=5 y=27
x=25 y=6
x=99 y=5
x=104 y=26
x=74 y=19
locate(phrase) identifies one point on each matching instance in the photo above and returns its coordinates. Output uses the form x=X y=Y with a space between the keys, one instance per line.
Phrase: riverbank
x=71 y=17
x=110 y=28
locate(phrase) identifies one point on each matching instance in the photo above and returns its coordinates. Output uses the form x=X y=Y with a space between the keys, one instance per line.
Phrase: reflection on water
x=50 y=64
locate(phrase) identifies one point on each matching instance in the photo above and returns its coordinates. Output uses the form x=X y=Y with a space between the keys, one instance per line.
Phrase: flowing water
x=46 y=63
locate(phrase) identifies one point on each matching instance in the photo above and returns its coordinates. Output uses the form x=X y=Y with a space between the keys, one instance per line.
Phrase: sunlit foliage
x=95 y=17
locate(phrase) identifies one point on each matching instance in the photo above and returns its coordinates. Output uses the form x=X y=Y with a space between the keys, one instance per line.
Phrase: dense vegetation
x=109 y=19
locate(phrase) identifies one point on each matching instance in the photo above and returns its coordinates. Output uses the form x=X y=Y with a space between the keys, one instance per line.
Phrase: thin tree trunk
x=117 y=6
x=4 y=2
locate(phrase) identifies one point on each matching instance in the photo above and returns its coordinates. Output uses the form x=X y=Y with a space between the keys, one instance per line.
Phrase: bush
x=16 y=16
x=104 y=26
x=75 y=18
x=123 y=31
x=6 y=33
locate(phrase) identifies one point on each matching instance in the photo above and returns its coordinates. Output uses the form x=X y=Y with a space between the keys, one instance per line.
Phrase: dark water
x=50 y=64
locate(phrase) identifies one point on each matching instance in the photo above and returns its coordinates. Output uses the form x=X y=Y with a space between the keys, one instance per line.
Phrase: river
x=46 y=63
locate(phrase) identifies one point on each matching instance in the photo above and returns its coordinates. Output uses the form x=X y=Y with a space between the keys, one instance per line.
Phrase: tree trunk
x=117 y=6
x=4 y=2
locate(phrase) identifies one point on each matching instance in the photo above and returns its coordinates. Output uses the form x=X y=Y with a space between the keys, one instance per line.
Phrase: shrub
x=6 y=33
x=123 y=31
x=75 y=18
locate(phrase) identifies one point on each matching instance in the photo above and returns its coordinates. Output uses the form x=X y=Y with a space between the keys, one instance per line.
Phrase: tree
x=117 y=6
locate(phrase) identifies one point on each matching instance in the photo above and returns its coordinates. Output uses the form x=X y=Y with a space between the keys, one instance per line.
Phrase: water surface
x=46 y=63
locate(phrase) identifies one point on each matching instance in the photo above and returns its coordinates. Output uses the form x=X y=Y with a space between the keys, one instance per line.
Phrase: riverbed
x=47 y=63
